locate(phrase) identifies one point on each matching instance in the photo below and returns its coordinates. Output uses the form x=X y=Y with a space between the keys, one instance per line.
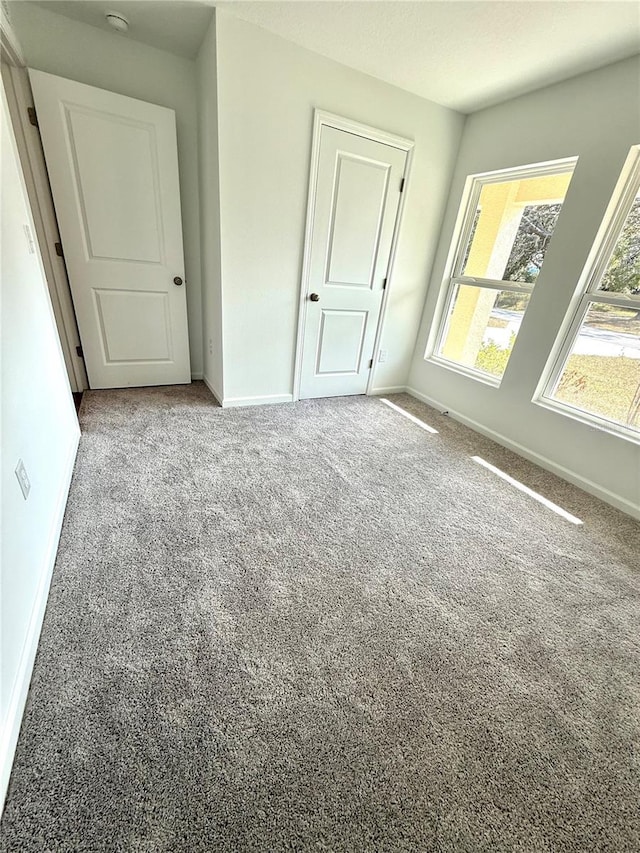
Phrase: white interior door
x=356 y=204
x=113 y=168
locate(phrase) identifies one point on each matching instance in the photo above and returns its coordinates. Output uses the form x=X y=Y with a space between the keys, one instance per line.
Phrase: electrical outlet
x=23 y=479
x=383 y=355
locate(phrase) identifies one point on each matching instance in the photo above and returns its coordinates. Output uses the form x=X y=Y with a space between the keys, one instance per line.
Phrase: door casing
x=326 y=119
x=18 y=92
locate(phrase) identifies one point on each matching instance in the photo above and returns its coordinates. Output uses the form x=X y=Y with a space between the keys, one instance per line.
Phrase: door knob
x=314 y=297
x=177 y=280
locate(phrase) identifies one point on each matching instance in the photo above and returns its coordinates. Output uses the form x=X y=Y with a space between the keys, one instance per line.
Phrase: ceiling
x=172 y=25
x=464 y=54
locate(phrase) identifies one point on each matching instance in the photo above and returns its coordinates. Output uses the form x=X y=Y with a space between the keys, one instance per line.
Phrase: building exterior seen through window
x=509 y=224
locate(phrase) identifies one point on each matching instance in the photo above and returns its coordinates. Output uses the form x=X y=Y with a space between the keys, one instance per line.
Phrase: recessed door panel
x=135 y=326
x=113 y=168
x=340 y=342
x=116 y=171
x=359 y=197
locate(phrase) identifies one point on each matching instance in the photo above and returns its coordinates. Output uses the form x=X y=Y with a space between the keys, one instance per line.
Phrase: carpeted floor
x=318 y=627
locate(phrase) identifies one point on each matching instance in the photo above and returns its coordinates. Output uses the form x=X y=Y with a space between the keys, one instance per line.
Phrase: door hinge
x=59 y=251
x=33 y=118
x=384 y=283
x=402 y=185
x=79 y=351
x=370 y=363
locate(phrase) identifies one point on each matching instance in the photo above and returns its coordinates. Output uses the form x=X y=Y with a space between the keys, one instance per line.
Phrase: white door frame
x=324 y=119
x=20 y=100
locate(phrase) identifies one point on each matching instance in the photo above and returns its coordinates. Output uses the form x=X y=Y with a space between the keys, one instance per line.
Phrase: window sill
x=469 y=372
x=589 y=420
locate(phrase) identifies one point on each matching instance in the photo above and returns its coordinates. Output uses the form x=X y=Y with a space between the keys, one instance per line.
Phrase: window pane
x=602 y=373
x=513 y=226
x=623 y=270
x=482 y=327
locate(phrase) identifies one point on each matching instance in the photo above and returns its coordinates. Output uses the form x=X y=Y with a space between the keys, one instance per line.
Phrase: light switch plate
x=23 y=479
x=30 y=241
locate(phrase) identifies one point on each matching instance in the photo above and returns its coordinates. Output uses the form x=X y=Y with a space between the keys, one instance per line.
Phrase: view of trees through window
x=511 y=229
x=531 y=242
x=510 y=233
x=524 y=263
x=623 y=272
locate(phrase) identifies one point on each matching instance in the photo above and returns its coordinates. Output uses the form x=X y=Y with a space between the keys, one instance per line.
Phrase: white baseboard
x=18 y=698
x=196 y=377
x=234 y=402
x=565 y=473
x=391 y=389
x=211 y=388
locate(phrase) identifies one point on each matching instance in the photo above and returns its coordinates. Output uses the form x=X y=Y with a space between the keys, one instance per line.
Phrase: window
x=505 y=232
x=596 y=375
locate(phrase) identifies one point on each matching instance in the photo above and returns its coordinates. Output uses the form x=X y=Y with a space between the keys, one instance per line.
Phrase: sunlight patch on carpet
x=527 y=491
x=408 y=415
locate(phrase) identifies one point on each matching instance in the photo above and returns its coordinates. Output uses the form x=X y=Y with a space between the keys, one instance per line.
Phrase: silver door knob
x=177 y=280
x=314 y=297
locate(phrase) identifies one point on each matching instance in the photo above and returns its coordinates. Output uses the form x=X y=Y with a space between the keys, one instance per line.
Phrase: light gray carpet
x=318 y=627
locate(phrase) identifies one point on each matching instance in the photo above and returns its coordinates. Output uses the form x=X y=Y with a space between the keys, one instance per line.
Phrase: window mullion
x=493 y=284
x=622 y=299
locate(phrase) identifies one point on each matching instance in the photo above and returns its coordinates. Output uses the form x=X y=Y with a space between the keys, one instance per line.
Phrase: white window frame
x=587 y=293
x=453 y=268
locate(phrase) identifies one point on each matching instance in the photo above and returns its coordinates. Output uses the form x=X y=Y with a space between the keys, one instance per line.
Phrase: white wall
x=595 y=116
x=210 y=212
x=56 y=44
x=267 y=90
x=38 y=425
